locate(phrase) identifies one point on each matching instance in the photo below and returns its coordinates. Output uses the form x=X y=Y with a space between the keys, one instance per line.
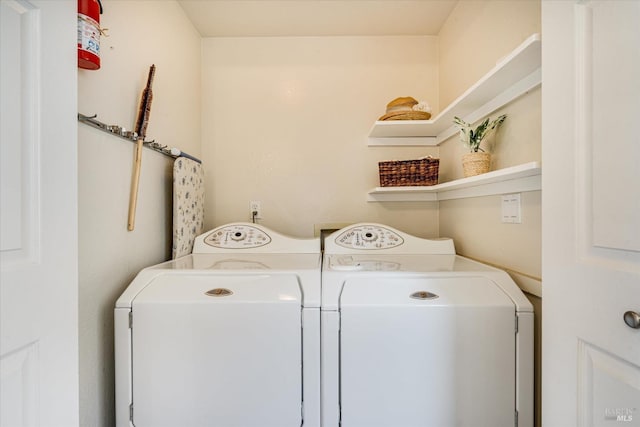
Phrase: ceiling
x=287 y=18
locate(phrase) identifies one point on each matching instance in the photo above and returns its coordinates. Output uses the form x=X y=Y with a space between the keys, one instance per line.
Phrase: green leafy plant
x=472 y=138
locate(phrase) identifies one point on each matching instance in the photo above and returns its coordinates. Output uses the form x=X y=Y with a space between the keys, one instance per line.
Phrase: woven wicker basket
x=398 y=173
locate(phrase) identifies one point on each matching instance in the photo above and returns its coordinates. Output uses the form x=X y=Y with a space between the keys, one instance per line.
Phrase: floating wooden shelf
x=516 y=74
x=515 y=179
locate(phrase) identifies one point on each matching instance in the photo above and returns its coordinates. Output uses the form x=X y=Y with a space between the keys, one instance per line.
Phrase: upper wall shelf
x=512 y=77
x=515 y=179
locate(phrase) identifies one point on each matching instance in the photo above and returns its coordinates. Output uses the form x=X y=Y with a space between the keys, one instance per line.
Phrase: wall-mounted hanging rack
x=133 y=137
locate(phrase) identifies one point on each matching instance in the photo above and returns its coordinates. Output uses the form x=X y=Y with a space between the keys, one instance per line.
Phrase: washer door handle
x=219 y=292
x=632 y=319
x=423 y=295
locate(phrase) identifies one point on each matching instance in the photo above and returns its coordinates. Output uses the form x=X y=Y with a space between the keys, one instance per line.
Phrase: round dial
x=237 y=237
x=369 y=237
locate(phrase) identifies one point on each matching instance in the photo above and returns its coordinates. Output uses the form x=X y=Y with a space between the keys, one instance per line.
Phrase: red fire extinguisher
x=89 y=34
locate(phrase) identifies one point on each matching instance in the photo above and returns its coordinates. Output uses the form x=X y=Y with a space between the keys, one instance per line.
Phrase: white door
x=591 y=213
x=38 y=239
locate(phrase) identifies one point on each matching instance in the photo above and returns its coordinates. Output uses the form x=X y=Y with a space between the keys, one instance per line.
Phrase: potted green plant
x=476 y=161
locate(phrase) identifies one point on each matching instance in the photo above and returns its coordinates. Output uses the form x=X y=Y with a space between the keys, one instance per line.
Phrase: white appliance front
x=413 y=335
x=218 y=351
x=414 y=361
x=228 y=336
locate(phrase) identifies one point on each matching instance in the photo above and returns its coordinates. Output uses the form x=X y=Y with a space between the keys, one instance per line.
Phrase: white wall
x=142 y=33
x=481 y=33
x=476 y=35
x=109 y=254
x=285 y=122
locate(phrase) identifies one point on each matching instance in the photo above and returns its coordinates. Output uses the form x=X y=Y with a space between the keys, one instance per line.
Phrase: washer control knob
x=238 y=235
x=369 y=236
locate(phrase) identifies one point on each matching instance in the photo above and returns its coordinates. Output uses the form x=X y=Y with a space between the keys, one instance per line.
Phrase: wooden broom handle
x=135 y=179
x=141 y=129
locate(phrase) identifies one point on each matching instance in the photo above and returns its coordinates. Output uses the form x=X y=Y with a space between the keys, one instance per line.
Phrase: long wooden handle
x=141 y=129
x=135 y=179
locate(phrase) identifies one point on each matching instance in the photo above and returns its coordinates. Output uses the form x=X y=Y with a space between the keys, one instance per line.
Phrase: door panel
x=608 y=79
x=38 y=237
x=591 y=200
x=609 y=387
x=19 y=132
x=18 y=399
x=20 y=209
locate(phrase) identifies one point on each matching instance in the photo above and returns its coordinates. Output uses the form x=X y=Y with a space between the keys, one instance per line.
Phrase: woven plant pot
x=476 y=163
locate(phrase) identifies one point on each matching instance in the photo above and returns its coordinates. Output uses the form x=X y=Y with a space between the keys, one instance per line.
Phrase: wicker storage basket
x=398 y=173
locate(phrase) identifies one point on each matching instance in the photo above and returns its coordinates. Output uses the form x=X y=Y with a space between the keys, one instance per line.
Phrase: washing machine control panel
x=369 y=237
x=237 y=237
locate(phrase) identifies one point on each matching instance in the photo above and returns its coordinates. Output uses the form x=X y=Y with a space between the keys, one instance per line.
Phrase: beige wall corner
x=476 y=36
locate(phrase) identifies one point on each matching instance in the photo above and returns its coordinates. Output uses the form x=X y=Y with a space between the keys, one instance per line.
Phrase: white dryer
x=227 y=336
x=415 y=336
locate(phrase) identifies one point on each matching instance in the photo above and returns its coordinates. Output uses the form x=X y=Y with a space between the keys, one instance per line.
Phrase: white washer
x=227 y=336
x=414 y=335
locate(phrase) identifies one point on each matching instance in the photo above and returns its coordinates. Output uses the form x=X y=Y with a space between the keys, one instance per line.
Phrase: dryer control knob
x=238 y=235
x=369 y=236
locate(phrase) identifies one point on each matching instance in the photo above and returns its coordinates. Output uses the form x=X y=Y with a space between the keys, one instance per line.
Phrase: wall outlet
x=255 y=206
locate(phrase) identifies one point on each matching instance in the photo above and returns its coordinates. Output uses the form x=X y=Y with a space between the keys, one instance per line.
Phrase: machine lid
x=423 y=291
x=221 y=289
x=243 y=237
x=377 y=238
